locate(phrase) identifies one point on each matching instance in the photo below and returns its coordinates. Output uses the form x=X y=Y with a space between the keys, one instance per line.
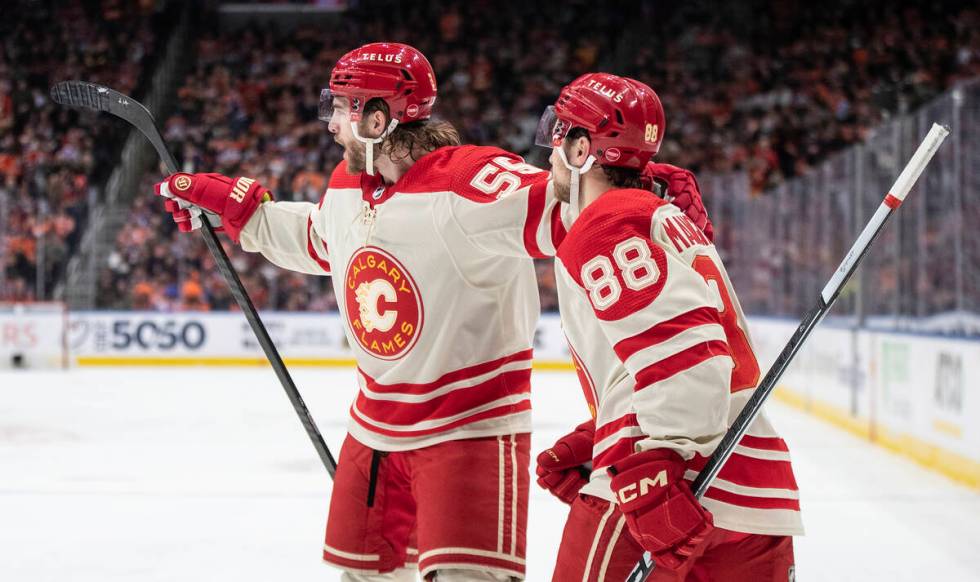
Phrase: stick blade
x=82 y=94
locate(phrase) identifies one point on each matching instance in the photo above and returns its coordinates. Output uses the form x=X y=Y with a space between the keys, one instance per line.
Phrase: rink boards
x=914 y=394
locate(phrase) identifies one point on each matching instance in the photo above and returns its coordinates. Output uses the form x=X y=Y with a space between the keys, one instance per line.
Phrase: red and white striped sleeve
x=286 y=234
x=290 y=234
x=505 y=206
x=659 y=317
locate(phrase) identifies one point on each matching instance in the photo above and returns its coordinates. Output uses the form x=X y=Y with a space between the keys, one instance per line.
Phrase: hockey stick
x=828 y=296
x=98 y=98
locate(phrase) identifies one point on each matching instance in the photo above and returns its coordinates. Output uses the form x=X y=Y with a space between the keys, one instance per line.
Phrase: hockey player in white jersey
x=430 y=246
x=666 y=361
x=433 y=476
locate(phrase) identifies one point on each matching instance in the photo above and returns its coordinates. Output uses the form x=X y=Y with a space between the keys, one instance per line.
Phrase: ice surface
x=206 y=474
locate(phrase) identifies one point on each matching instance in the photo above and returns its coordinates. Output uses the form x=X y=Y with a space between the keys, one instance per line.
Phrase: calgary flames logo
x=383 y=304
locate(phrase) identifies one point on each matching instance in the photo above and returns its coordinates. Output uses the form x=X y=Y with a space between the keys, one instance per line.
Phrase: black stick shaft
x=100 y=98
x=271 y=353
x=258 y=328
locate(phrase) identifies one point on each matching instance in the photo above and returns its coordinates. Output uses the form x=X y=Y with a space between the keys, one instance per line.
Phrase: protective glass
x=551 y=130
x=326 y=107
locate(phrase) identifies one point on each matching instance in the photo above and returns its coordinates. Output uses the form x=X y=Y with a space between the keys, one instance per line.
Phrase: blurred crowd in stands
x=51 y=157
x=249 y=105
x=772 y=88
x=762 y=87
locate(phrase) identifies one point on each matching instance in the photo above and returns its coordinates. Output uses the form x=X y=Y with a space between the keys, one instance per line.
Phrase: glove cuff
x=587 y=426
x=237 y=214
x=234 y=200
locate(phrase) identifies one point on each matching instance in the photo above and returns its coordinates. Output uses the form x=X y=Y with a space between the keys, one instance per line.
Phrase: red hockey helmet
x=624 y=118
x=394 y=72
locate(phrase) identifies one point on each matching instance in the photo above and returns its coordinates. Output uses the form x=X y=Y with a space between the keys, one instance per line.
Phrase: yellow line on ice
x=217 y=361
x=952 y=465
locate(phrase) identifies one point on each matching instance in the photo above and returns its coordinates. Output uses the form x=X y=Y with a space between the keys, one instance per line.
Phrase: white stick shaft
x=920 y=158
x=893 y=199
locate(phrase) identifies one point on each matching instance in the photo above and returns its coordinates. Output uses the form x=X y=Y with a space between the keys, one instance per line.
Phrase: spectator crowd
x=50 y=157
x=773 y=88
x=765 y=88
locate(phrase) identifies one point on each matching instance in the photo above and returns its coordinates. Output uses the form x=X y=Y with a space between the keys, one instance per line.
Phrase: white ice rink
x=206 y=474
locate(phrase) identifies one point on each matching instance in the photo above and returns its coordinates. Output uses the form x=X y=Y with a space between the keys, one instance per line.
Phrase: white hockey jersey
x=436 y=286
x=664 y=356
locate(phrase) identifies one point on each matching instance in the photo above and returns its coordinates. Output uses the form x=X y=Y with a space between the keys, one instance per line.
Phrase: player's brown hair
x=623 y=177
x=618 y=177
x=416 y=138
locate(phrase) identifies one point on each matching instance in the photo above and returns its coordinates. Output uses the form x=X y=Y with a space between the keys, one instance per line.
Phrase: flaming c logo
x=384 y=308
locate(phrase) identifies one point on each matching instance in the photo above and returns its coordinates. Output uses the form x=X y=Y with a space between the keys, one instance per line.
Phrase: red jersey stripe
x=682 y=360
x=665 y=330
x=764 y=443
x=535 y=211
x=448 y=378
x=339 y=178
x=446 y=405
x=498 y=412
x=586 y=381
x=751 y=501
x=558 y=231
x=619 y=451
x=324 y=264
x=752 y=472
x=611 y=428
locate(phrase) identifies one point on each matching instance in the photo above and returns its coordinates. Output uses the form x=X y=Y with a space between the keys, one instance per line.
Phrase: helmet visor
x=551 y=130
x=326 y=105
x=330 y=106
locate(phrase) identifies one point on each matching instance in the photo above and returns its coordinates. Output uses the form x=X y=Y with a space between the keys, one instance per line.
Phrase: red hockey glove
x=233 y=199
x=681 y=188
x=560 y=468
x=661 y=512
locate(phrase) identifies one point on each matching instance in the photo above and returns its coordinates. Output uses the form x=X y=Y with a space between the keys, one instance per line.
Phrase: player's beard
x=356 y=154
x=561 y=178
x=563 y=191
x=356 y=158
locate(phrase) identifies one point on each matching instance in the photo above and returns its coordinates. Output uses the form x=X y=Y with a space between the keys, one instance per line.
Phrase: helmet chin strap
x=574 y=199
x=369 y=143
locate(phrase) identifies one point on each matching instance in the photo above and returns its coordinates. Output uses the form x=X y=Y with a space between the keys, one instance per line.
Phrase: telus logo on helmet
x=366 y=72
x=382 y=58
x=606 y=91
x=623 y=116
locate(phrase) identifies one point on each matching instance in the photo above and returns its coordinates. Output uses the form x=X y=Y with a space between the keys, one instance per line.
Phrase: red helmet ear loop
x=574 y=200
